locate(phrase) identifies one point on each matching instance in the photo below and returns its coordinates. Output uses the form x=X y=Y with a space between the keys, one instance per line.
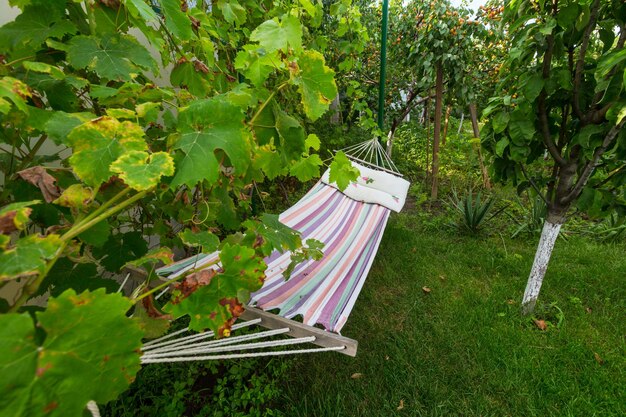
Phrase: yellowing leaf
x=316 y=84
x=28 y=256
x=142 y=171
x=76 y=196
x=206 y=240
x=15 y=216
x=99 y=143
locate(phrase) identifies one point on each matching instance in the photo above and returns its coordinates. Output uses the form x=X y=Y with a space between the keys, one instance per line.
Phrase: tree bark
x=335 y=107
x=445 y=125
x=427 y=123
x=549 y=234
x=437 y=131
x=481 y=162
x=460 y=124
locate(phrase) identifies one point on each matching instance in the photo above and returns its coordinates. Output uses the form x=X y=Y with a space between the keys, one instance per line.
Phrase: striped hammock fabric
x=322 y=292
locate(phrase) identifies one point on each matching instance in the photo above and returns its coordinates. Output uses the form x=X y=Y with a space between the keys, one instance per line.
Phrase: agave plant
x=473 y=210
x=533 y=217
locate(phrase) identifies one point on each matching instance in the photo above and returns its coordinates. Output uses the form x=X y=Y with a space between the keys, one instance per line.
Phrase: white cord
x=194 y=337
x=123 y=282
x=222 y=342
x=241 y=355
x=247 y=346
x=93 y=408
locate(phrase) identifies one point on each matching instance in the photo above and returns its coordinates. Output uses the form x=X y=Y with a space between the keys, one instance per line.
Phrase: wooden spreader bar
x=322 y=337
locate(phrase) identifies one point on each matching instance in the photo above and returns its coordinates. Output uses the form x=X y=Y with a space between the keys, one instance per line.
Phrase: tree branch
x=532 y=183
x=542 y=110
x=580 y=63
x=591 y=164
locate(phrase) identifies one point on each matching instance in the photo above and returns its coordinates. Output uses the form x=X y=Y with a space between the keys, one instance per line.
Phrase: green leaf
x=607 y=62
x=176 y=20
x=99 y=143
x=152 y=327
x=120 y=249
x=185 y=75
x=521 y=128
x=274 y=35
x=80 y=277
x=34 y=26
x=61 y=124
x=307 y=168
x=342 y=172
x=76 y=196
x=28 y=256
x=269 y=161
x=96 y=235
x=567 y=15
x=206 y=240
x=533 y=87
x=139 y=8
x=583 y=136
x=270 y=234
x=54 y=72
x=202 y=136
x=212 y=306
x=316 y=84
x=312 y=141
x=501 y=145
x=142 y=171
x=16 y=91
x=162 y=254
x=500 y=121
x=113 y=56
x=256 y=64
x=233 y=12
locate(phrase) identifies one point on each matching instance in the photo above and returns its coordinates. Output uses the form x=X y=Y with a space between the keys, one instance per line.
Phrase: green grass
x=464 y=349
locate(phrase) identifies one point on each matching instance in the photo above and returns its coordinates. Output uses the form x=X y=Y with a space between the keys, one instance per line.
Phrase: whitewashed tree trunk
x=549 y=234
x=460 y=125
x=335 y=117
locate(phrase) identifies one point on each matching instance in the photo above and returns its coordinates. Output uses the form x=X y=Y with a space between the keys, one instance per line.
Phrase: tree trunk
x=460 y=124
x=437 y=131
x=335 y=118
x=427 y=123
x=445 y=125
x=549 y=234
x=481 y=162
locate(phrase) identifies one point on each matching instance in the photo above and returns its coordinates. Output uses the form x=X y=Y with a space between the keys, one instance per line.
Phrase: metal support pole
x=383 y=66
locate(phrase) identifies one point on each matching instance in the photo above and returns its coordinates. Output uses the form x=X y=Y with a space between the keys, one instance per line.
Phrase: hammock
x=350 y=224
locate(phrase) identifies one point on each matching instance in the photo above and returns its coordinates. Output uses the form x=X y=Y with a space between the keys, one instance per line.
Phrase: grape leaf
x=96 y=235
x=216 y=304
x=342 y=172
x=307 y=168
x=80 y=277
x=37 y=23
x=28 y=256
x=316 y=84
x=270 y=234
x=60 y=124
x=312 y=141
x=176 y=20
x=151 y=326
x=16 y=91
x=256 y=64
x=233 y=12
x=99 y=143
x=185 y=75
x=90 y=352
x=142 y=171
x=141 y=8
x=162 y=254
x=120 y=249
x=269 y=161
x=76 y=196
x=113 y=56
x=207 y=240
x=15 y=216
x=274 y=35
x=202 y=136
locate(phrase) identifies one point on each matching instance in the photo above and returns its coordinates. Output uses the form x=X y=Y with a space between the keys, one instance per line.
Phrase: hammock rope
x=372 y=153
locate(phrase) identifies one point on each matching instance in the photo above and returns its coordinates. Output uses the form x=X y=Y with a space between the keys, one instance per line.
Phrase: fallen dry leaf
x=598 y=358
x=588 y=310
x=386 y=357
x=426 y=290
x=38 y=176
x=413 y=250
x=401 y=405
x=442 y=277
x=541 y=324
x=510 y=302
x=356 y=375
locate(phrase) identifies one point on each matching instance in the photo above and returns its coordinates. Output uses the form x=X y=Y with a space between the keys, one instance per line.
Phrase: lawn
x=440 y=332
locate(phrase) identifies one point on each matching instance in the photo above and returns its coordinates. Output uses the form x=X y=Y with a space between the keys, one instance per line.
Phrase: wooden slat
x=323 y=338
